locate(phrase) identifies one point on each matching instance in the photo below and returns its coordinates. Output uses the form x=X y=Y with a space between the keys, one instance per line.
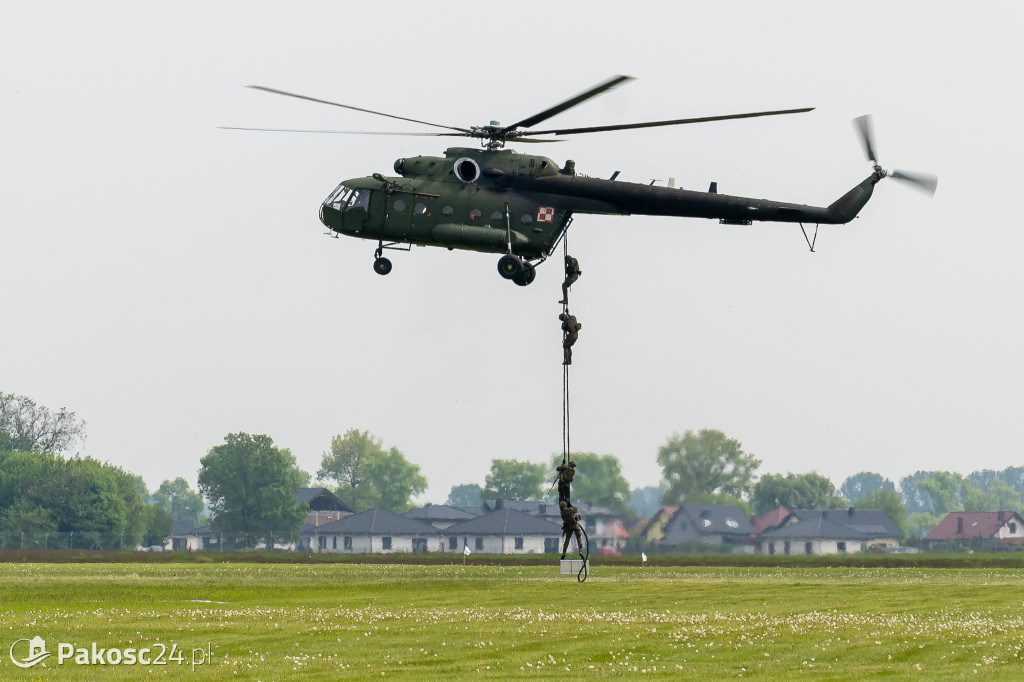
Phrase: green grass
x=342 y=620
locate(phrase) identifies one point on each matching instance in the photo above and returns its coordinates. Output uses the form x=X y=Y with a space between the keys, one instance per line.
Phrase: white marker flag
x=465 y=550
x=643 y=556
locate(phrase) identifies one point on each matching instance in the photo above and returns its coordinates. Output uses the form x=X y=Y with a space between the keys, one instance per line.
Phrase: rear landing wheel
x=527 y=276
x=382 y=266
x=510 y=266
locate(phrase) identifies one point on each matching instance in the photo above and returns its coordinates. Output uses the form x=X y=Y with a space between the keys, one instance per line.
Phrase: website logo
x=36 y=652
x=26 y=653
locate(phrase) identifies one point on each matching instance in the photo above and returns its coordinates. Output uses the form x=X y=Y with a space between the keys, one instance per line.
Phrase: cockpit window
x=347 y=199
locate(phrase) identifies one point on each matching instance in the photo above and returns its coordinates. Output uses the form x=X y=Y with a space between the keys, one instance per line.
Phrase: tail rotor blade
x=867 y=136
x=922 y=181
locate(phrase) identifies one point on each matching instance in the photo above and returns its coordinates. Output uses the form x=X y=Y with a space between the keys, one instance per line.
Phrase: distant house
x=440 y=516
x=770 y=520
x=604 y=529
x=831 y=531
x=184 y=538
x=505 y=531
x=374 y=530
x=654 y=531
x=712 y=524
x=989 y=530
x=324 y=506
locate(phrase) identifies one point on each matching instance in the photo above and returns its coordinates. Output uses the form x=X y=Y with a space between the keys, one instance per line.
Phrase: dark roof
x=179 y=528
x=694 y=521
x=868 y=522
x=546 y=509
x=837 y=524
x=975 y=524
x=377 y=521
x=439 y=512
x=477 y=510
x=320 y=499
x=817 y=527
x=506 y=522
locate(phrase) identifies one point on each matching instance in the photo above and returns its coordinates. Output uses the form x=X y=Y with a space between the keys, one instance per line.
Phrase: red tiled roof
x=966 y=525
x=769 y=519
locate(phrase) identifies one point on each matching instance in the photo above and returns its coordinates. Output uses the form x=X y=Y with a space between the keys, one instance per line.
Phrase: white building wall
x=1012 y=529
x=825 y=546
x=500 y=544
x=364 y=544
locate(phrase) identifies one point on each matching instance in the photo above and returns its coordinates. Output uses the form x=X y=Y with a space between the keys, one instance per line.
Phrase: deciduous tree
x=857 y=486
x=707 y=462
x=251 y=486
x=369 y=476
x=28 y=427
x=796 y=491
x=179 y=500
x=87 y=502
x=511 y=479
x=465 y=495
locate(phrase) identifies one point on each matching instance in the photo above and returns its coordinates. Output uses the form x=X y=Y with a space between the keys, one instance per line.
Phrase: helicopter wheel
x=526 y=277
x=381 y=265
x=510 y=266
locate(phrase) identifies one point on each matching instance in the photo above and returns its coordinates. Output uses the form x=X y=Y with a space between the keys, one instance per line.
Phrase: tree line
x=246 y=485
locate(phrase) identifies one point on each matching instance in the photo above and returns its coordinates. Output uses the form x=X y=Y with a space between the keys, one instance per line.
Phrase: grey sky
x=170 y=282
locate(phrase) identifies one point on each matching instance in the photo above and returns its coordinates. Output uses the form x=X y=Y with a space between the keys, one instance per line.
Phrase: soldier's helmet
x=572 y=462
x=562 y=504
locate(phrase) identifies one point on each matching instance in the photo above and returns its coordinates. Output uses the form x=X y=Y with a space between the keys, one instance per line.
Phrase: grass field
x=327 y=621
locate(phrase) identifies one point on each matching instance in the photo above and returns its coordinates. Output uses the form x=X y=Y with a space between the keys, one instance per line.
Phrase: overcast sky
x=170 y=282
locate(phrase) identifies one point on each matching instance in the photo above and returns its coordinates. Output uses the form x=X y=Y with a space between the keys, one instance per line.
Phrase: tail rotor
x=923 y=182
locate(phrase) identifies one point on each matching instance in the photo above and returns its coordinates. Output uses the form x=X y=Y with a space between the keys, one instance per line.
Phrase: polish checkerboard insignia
x=545 y=214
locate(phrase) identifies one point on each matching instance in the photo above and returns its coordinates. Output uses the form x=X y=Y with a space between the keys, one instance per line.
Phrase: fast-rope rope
x=566 y=445
x=565 y=369
x=582 y=575
x=565 y=415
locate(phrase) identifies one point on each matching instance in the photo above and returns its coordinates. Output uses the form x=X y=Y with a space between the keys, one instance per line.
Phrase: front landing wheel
x=509 y=266
x=382 y=266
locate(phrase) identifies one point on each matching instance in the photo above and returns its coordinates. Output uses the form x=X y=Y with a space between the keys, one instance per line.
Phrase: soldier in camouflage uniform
x=565 y=476
x=572 y=273
x=571 y=329
x=570 y=527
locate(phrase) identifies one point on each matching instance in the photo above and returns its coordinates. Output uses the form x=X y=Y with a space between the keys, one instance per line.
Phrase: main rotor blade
x=569 y=103
x=867 y=136
x=344 y=132
x=348 y=106
x=655 y=124
x=922 y=181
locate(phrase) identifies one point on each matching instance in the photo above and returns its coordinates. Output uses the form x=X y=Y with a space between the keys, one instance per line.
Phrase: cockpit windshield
x=347 y=199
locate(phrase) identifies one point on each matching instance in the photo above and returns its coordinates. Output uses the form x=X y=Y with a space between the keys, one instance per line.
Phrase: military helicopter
x=496 y=200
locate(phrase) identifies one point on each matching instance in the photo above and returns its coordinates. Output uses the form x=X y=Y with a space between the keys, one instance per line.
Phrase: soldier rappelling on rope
x=570 y=526
x=572 y=273
x=570 y=332
x=566 y=472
